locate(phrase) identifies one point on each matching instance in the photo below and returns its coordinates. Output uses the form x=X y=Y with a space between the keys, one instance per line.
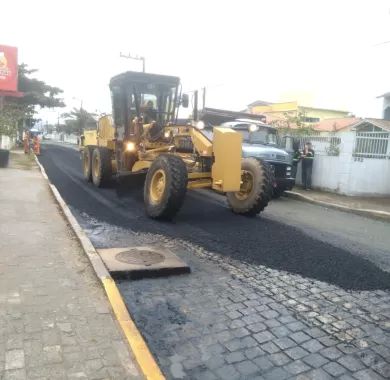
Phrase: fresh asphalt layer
x=274 y=240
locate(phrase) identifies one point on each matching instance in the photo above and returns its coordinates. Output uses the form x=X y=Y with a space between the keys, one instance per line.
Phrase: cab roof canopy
x=136 y=77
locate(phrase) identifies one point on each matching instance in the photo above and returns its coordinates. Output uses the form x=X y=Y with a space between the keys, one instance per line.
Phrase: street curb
x=374 y=214
x=144 y=358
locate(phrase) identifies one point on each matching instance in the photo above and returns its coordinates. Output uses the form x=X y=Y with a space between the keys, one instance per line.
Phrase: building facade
x=285 y=110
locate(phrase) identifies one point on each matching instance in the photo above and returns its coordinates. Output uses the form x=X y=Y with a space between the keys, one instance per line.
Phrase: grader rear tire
x=87 y=163
x=101 y=166
x=256 y=188
x=165 y=187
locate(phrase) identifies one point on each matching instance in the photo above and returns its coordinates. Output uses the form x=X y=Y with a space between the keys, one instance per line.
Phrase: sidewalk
x=371 y=207
x=55 y=320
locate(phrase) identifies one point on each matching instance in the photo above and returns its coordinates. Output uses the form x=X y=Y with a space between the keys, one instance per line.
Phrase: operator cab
x=149 y=98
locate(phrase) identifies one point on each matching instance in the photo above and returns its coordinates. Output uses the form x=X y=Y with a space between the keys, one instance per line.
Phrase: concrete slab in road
x=140 y=262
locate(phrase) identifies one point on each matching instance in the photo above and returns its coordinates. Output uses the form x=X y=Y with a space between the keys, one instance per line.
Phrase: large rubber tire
x=87 y=163
x=260 y=193
x=170 y=197
x=101 y=166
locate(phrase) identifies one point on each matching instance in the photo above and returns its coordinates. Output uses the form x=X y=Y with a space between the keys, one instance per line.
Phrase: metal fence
x=323 y=145
x=372 y=145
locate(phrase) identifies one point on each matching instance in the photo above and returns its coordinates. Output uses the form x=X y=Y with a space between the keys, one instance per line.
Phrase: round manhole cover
x=140 y=257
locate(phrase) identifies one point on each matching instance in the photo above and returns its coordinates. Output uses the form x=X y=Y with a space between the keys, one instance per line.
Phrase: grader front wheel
x=165 y=187
x=255 y=191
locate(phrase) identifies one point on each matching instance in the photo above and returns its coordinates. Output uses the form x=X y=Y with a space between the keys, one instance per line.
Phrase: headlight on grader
x=200 y=124
x=130 y=146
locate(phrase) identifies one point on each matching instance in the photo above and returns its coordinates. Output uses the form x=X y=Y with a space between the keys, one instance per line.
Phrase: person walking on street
x=307 y=165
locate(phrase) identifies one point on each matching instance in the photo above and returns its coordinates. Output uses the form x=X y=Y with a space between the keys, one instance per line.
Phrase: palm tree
x=79 y=119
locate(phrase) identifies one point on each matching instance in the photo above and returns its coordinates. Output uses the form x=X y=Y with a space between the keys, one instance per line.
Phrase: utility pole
x=136 y=57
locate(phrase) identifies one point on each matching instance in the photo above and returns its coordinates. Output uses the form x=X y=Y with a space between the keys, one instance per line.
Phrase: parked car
x=261 y=141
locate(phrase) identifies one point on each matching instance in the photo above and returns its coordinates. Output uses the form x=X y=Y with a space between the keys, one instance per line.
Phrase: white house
x=352 y=156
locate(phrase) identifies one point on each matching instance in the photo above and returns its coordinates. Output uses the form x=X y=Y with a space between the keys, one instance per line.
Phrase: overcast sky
x=328 y=54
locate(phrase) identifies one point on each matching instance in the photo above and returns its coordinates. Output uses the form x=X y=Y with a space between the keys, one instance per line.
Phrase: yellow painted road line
x=138 y=346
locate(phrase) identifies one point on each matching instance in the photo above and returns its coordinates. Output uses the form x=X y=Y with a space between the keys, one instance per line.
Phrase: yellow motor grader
x=144 y=135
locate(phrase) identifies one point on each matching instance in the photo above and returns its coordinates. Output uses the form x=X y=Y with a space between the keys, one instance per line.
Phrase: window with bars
x=372 y=145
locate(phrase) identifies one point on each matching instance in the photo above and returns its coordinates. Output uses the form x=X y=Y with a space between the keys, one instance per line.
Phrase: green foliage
x=9 y=116
x=36 y=94
x=77 y=120
x=293 y=124
x=333 y=149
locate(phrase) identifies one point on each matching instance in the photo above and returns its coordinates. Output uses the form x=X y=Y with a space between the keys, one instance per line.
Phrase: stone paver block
x=234 y=314
x=254 y=352
x=228 y=372
x=276 y=374
x=263 y=363
x=263 y=336
x=297 y=367
x=367 y=374
x=246 y=368
x=240 y=332
x=312 y=345
x=334 y=369
x=284 y=343
x=257 y=327
x=383 y=369
x=296 y=353
x=15 y=374
x=14 y=359
x=234 y=357
x=52 y=354
x=315 y=374
x=279 y=359
x=269 y=314
x=295 y=326
x=280 y=331
x=332 y=353
x=315 y=332
x=299 y=337
x=272 y=323
x=351 y=363
x=315 y=360
x=270 y=347
x=248 y=342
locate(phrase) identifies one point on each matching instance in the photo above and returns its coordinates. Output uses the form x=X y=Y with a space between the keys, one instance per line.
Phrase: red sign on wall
x=8 y=68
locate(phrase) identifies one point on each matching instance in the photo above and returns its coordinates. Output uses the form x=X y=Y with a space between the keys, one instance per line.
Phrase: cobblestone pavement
x=55 y=320
x=231 y=320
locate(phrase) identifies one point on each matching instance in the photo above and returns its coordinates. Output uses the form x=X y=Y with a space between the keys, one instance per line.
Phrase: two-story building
x=285 y=110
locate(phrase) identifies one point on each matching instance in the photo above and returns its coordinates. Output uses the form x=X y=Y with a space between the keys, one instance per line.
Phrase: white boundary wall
x=6 y=142
x=350 y=175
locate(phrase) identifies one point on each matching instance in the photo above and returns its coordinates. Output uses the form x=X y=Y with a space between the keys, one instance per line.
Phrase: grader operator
x=144 y=136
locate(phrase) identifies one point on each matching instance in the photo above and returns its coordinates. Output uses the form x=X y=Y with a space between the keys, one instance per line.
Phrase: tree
x=77 y=120
x=293 y=122
x=16 y=111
